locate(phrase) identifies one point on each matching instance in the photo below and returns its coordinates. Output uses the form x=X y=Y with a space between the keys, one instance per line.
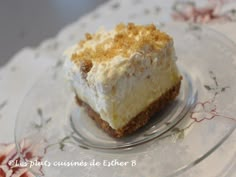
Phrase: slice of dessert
x=123 y=76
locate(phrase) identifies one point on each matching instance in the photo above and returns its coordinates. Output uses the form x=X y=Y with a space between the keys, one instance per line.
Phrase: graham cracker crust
x=140 y=120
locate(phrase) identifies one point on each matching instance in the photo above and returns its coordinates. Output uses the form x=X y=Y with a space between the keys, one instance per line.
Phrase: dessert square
x=124 y=76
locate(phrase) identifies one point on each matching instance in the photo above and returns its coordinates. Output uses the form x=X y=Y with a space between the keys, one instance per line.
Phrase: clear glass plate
x=52 y=128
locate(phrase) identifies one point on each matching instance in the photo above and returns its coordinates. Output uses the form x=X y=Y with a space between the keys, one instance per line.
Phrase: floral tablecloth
x=18 y=76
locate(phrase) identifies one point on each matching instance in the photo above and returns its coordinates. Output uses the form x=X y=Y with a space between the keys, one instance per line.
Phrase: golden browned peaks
x=88 y=36
x=124 y=40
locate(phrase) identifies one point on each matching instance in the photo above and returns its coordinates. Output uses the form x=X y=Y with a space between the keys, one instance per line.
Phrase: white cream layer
x=119 y=89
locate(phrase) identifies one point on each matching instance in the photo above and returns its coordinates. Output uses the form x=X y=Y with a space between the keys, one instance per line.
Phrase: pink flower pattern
x=188 y=11
x=207 y=110
x=10 y=161
x=202 y=111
